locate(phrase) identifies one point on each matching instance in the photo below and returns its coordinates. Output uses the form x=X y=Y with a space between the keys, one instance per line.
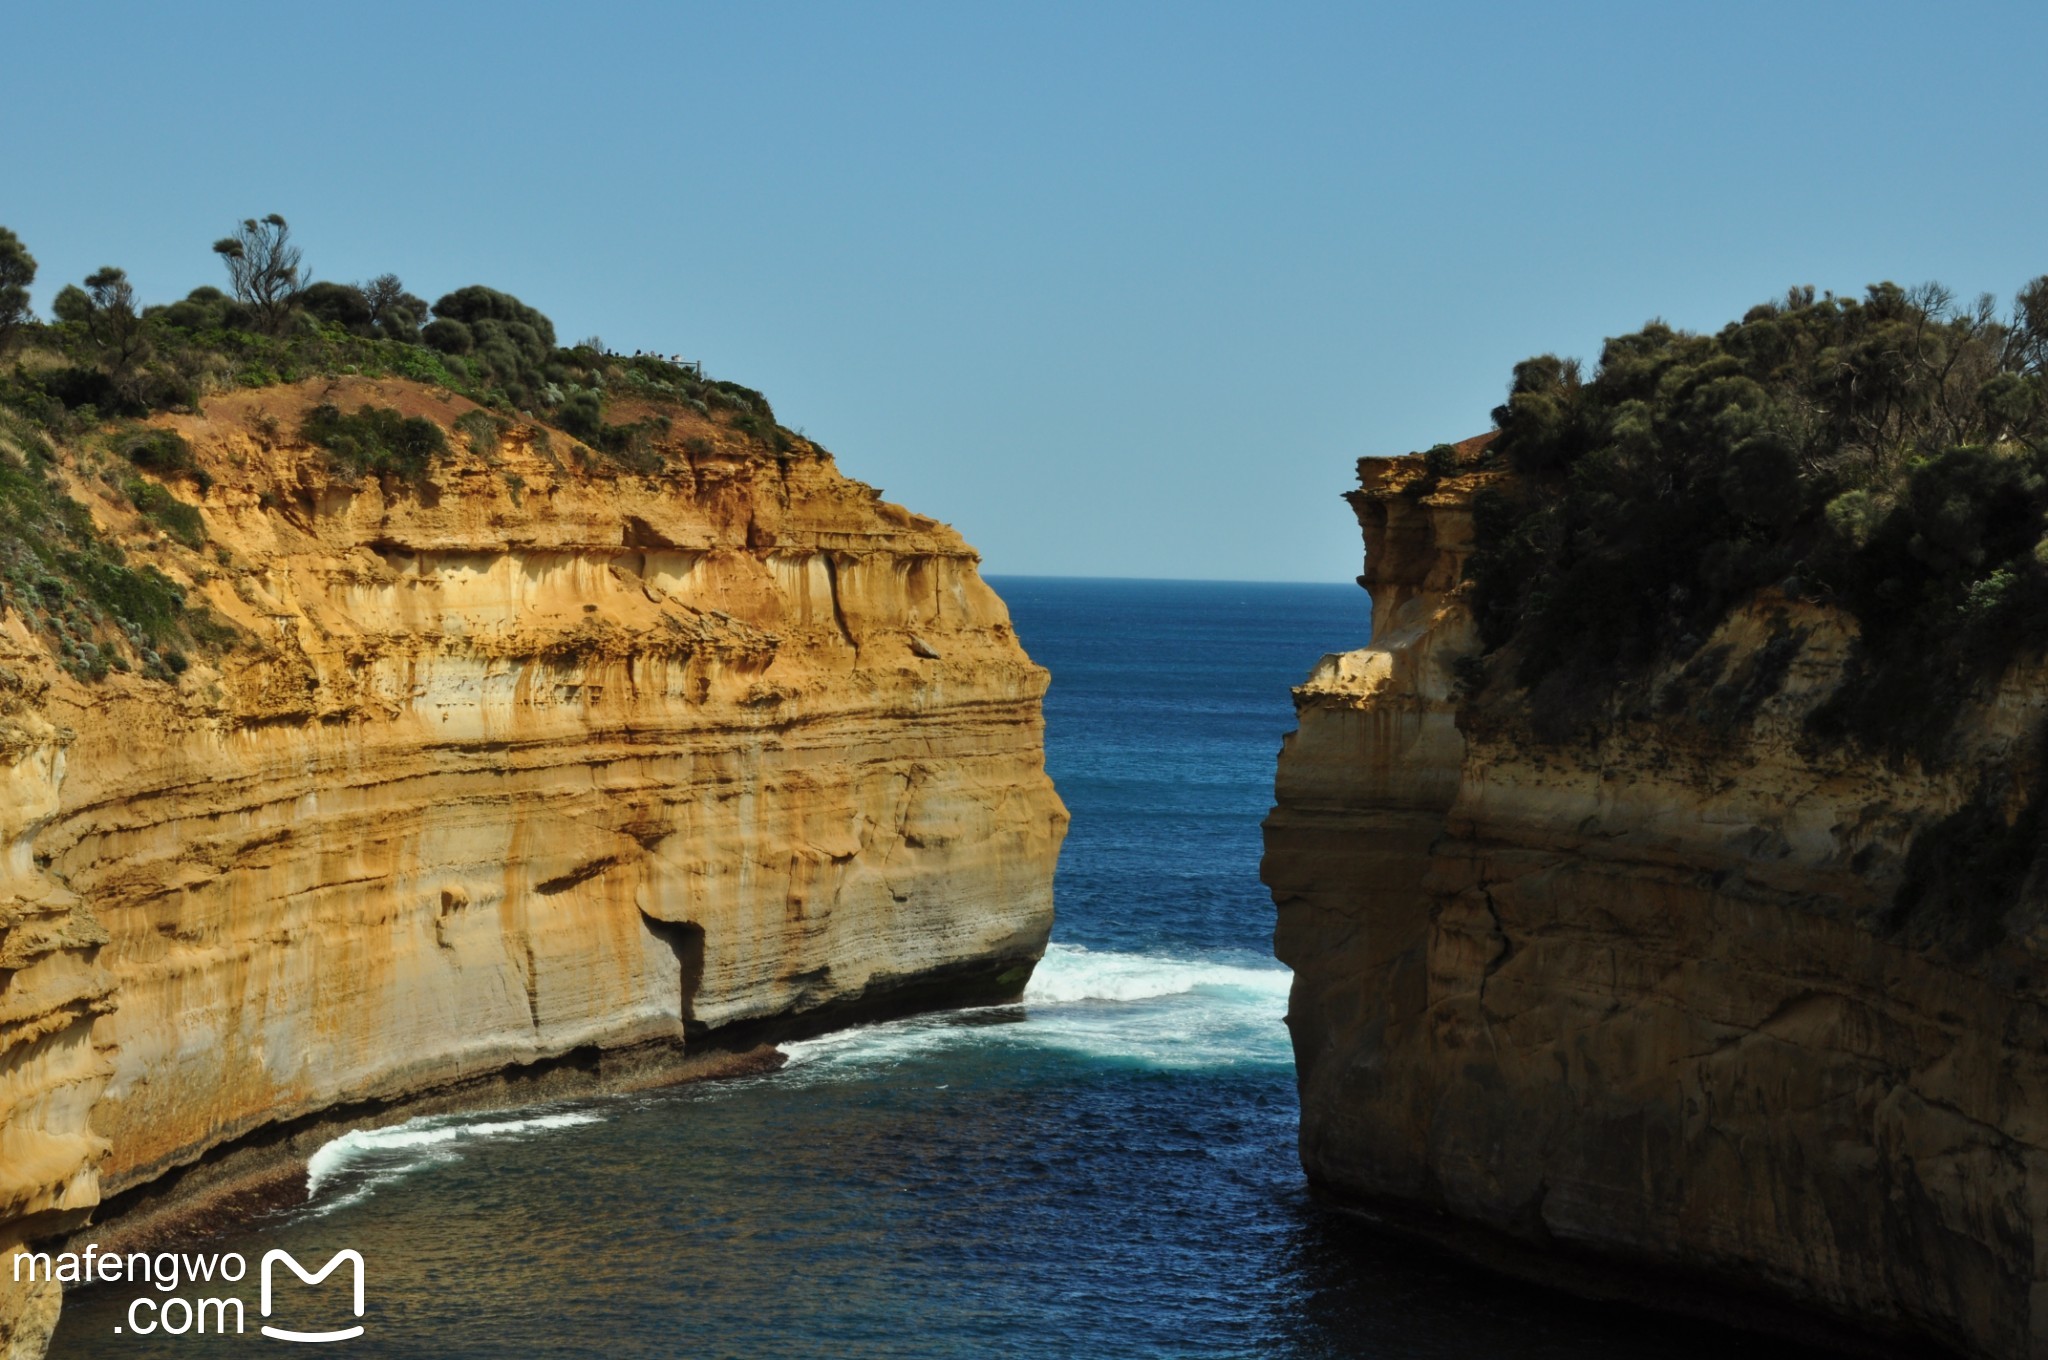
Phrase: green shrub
x=422 y=365
x=167 y=512
x=339 y=304
x=376 y=440
x=631 y=445
x=164 y=452
x=17 y=272
x=448 y=335
x=203 y=309
x=21 y=441
x=508 y=342
x=581 y=414
x=482 y=431
x=79 y=388
x=395 y=313
x=145 y=599
x=210 y=630
x=742 y=398
x=67 y=581
x=1891 y=451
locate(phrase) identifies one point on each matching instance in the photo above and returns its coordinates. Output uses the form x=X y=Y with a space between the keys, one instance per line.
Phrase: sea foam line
x=1122 y=1007
x=403 y=1148
x=1151 y=1009
x=1072 y=973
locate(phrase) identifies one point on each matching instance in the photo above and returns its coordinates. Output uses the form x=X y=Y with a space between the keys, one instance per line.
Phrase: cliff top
x=1886 y=457
x=1817 y=538
x=135 y=439
x=1463 y=455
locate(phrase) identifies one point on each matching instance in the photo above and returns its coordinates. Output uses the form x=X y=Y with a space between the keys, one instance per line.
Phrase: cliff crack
x=1507 y=946
x=582 y=873
x=532 y=981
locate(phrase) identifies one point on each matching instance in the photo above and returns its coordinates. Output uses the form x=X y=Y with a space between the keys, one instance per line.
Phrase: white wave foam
x=1070 y=973
x=1147 y=1009
x=384 y=1155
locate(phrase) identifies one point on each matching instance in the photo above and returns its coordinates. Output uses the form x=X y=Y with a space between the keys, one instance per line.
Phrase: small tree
x=2029 y=333
x=106 y=308
x=338 y=304
x=397 y=313
x=17 y=272
x=265 y=269
x=506 y=341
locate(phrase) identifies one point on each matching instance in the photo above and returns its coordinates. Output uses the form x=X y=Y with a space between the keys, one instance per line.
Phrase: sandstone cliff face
x=1645 y=998
x=529 y=761
x=50 y=994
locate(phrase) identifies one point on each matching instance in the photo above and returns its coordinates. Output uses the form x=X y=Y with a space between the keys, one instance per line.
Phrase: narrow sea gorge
x=1107 y=1169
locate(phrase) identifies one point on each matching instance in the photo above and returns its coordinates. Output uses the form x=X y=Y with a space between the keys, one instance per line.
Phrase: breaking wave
x=1156 y=1010
x=363 y=1160
x=1071 y=973
x=1148 y=1010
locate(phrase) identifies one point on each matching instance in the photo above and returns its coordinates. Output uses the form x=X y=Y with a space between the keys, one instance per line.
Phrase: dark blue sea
x=1105 y=1170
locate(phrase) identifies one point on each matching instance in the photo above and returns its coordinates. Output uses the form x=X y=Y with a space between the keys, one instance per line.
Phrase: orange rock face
x=1645 y=997
x=50 y=994
x=541 y=756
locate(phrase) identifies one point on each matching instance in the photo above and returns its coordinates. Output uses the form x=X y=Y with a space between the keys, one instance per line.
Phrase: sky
x=1115 y=289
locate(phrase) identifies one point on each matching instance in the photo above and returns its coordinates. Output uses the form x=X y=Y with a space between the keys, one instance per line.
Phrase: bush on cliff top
x=107 y=355
x=1890 y=452
x=376 y=440
x=107 y=359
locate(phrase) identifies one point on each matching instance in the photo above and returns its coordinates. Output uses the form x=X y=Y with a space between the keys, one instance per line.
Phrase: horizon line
x=1160 y=580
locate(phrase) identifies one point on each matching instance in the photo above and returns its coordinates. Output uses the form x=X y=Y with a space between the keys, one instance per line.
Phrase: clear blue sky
x=1116 y=289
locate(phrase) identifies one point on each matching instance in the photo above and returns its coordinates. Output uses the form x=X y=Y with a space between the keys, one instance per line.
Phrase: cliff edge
x=529 y=758
x=1653 y=992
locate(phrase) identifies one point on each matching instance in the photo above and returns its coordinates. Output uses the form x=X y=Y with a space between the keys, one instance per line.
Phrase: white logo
x=352 y=1256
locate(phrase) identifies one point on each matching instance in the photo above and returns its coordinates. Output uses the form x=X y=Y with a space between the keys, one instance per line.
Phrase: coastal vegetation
x=78 y=389
x=1887 y=454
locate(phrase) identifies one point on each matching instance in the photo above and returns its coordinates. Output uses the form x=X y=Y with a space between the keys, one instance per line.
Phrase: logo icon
x=352 y=1256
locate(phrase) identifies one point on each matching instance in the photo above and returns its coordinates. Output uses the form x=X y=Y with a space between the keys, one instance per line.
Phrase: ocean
x=1105 y=1170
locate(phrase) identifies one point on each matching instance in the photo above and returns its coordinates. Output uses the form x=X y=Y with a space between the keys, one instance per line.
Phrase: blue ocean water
x=1106 y=1170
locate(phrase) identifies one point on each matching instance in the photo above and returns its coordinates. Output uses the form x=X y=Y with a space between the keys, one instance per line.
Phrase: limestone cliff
x=536 y=757
x=50 y=994
x=1648 y=997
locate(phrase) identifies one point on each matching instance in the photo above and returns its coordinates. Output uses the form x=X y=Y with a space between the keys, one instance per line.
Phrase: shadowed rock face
x=1646 y=997
x=530 y=760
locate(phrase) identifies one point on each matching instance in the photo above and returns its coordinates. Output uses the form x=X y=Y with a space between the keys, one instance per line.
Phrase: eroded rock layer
x=1649 y=996
x=51 y=992
x=540 y=755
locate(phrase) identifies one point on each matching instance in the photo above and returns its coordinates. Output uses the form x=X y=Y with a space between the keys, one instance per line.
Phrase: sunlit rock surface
x=545 y=756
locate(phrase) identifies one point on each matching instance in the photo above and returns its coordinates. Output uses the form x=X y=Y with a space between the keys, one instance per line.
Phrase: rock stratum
x=537 y=758
x=1650 y=998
